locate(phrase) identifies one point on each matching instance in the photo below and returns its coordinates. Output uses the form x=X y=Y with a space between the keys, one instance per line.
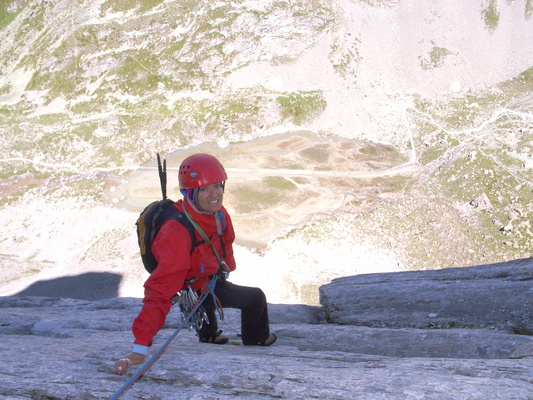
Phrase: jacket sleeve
x=171 y=249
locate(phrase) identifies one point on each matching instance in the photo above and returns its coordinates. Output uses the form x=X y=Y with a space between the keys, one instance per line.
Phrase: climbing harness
x=209 y=289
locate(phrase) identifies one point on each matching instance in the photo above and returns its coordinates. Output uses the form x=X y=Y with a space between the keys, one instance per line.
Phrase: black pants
x=254 y=313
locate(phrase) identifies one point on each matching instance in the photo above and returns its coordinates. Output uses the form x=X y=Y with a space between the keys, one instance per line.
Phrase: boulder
x=497 y=296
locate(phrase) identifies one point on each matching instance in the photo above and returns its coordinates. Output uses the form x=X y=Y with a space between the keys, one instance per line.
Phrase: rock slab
x=60 y=348
x=497 y=296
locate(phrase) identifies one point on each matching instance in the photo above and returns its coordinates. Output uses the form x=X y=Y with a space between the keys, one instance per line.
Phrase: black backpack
x=152 y=218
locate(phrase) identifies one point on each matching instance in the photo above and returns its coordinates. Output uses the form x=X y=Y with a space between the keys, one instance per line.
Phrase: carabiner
x=225 y=269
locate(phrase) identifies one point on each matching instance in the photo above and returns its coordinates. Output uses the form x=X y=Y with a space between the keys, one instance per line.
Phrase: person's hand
x=121 y=365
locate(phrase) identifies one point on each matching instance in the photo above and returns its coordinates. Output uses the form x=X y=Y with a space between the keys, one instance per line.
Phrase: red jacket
x=172 y=250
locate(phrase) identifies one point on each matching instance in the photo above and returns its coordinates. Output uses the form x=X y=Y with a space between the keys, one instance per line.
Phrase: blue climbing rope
x=158 y=353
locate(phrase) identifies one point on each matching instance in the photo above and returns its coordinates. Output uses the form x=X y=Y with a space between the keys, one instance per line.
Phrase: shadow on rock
x=89 y=286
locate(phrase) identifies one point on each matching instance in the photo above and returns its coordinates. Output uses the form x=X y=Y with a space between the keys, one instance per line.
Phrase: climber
x=201 y=181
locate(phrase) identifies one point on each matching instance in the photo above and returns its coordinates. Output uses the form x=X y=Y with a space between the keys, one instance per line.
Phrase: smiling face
x=210 y=197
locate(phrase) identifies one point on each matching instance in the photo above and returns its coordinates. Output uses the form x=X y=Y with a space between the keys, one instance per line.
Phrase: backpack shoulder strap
x=182 y=219
x=169 y=212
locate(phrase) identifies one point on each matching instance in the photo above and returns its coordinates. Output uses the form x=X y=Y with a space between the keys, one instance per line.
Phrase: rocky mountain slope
x=452 y=335
x=408 y=130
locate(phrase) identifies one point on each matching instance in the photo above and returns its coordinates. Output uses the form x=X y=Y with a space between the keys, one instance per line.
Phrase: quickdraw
x=187 y=299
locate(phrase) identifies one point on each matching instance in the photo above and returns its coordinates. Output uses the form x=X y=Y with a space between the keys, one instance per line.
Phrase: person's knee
x=259 y=296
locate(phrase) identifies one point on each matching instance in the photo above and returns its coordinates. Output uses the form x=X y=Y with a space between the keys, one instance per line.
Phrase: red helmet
x=200 y=170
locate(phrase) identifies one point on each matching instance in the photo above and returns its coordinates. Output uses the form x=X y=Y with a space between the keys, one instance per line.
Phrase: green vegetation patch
x=252 y=198
x=379 y=152
x=344 y=60
x=127 y=5
x=263 y=195
x=522 y=84
x=64 y=83
x=6 y=17
x=301 y=106
x=491 y=16
x=504 y=181
x=279 y=183
x=463 y=112
x=437 y=55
